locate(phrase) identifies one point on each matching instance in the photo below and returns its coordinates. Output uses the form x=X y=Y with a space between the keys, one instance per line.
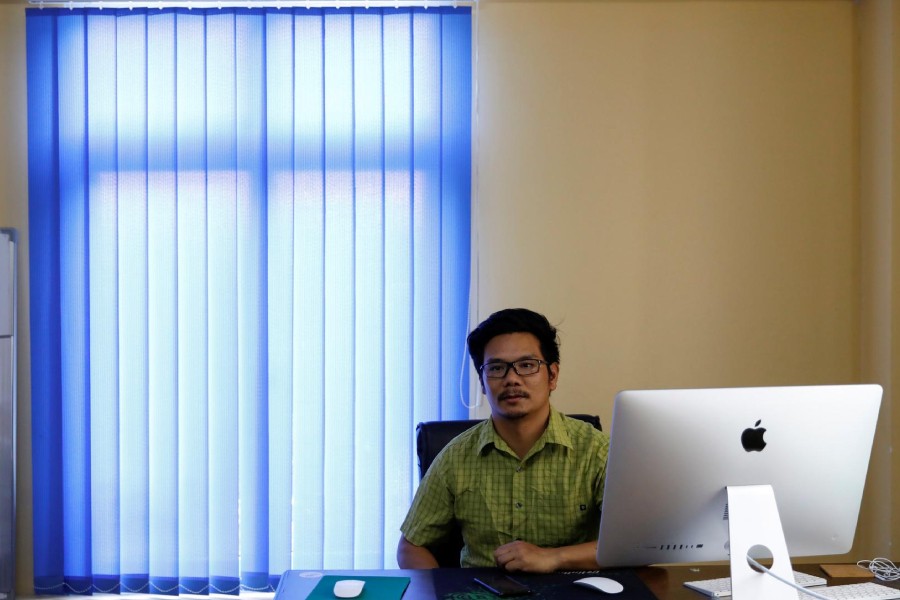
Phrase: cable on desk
x=807 y=591
x=881 y=568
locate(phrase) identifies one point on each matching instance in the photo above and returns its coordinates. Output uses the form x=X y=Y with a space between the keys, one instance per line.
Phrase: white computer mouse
x=601 y=584
x=348 y=588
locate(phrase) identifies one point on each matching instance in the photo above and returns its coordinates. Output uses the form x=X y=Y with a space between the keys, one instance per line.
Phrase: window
x=249 y=247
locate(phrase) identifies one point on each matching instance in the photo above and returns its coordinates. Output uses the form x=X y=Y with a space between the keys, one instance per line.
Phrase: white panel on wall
x=7 y=283
x=7 y=412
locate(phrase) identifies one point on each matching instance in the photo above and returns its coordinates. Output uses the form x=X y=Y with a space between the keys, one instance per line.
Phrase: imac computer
x=698 y=475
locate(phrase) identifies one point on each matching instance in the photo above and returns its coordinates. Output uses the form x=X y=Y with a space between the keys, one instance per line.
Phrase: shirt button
x=519 y=469
x=518 y=505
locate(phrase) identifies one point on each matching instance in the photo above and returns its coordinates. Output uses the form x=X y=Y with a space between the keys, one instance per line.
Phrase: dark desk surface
x=664 y=583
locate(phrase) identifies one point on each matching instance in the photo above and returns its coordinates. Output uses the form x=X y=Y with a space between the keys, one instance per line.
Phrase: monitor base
x=754 y=529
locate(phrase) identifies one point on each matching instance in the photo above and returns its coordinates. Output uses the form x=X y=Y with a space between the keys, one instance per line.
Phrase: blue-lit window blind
x=249 y=248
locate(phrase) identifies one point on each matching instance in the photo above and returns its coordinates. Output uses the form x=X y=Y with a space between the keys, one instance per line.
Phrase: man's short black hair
x=514 y=320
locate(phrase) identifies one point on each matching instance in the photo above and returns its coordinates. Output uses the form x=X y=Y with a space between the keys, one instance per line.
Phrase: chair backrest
x=431 y=437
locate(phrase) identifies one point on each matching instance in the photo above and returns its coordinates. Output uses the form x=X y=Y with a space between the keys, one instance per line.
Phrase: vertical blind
x=249 y=273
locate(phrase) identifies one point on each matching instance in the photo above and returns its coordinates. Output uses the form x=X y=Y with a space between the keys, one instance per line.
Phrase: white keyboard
x=721 y=587
x=854 y=591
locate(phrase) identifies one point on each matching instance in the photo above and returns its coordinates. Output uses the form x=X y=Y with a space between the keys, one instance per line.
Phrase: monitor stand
x=753 y=521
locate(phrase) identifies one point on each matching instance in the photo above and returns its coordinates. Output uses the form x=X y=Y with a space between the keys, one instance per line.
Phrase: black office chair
x=431 y=437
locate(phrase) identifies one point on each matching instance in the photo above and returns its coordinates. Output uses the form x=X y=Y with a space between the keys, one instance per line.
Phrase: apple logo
x=752 y=438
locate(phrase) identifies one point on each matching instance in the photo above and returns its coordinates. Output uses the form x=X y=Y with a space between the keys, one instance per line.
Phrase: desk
x=664 y=583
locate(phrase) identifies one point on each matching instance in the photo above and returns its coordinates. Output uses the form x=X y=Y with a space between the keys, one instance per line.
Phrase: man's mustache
x=514 y=393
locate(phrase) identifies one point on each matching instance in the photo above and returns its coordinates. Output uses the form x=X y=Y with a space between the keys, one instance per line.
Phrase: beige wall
x=677 y=184
x=878 y=137
x=682 y=178
x=698 y=192
x=14 y=213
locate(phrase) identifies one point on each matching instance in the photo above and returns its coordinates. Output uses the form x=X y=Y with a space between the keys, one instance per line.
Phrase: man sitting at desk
x=526 y=485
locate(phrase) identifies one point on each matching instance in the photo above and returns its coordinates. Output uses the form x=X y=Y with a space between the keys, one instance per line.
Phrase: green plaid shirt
x=551 y=498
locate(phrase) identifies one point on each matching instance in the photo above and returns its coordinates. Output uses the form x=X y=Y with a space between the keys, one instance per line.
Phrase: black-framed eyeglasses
x=524 y=366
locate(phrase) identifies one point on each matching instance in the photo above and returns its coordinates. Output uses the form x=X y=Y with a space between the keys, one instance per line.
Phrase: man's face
x=515 y=396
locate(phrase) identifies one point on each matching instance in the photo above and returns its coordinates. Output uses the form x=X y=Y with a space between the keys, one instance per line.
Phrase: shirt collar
x=556 y=433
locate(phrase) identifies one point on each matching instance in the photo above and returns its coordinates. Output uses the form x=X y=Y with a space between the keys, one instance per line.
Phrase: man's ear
x=553 y=375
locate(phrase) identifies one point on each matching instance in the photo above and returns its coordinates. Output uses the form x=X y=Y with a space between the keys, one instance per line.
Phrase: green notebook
x=382 y=588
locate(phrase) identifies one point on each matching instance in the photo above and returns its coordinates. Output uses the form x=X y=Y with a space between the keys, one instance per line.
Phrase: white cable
x=793 y=584
x=475 y=219
x=882 y=568
x=464 y=380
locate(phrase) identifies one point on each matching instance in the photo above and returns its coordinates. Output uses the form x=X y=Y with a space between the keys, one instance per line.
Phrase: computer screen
x=673 y=453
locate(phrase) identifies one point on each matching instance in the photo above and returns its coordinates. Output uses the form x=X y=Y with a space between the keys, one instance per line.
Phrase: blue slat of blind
x=131 y=193
x=162 y=286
